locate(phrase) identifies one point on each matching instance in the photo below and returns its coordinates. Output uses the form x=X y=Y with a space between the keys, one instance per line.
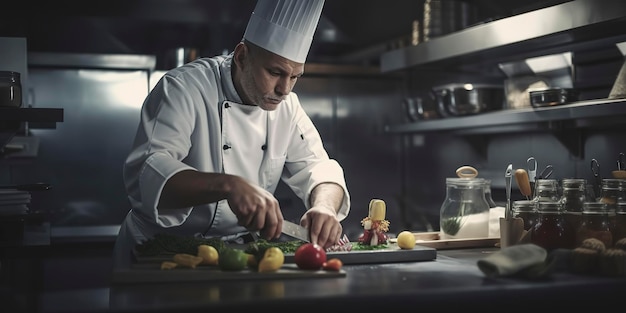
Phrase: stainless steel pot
x=467 y=99
x=418 y=108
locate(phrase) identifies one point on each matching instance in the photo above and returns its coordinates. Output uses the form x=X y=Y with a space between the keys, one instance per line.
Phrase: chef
x=217 y=134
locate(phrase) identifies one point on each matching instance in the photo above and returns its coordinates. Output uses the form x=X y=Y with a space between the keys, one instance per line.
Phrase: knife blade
x=296 y=231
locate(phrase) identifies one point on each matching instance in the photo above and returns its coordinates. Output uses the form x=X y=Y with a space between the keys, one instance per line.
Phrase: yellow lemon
x=406 y=240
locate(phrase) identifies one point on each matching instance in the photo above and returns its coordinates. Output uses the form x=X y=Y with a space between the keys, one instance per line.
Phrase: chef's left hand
x=323 y=226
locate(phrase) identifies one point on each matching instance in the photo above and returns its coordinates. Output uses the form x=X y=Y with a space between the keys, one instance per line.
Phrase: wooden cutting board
x=431 y=239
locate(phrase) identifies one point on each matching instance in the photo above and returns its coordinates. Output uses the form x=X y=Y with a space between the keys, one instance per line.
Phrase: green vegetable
x=259 y=247
x=359 y=247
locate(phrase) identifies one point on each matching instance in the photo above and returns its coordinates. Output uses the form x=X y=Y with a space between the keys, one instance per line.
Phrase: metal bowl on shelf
x=467 y=99
x=552 y=96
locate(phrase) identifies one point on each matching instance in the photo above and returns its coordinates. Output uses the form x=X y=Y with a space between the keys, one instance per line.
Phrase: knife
x=296 y=231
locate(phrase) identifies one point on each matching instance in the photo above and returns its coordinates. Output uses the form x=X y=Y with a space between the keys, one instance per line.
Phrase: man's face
x=266 y=78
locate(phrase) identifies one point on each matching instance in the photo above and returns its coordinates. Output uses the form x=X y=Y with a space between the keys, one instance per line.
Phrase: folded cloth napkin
x=523 y=260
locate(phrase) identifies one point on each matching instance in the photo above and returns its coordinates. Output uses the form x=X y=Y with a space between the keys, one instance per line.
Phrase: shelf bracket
x=478 y=143
x=573 y=140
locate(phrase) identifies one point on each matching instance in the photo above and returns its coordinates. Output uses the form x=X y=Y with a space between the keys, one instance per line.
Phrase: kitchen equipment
x=418 y=108
x=467 y=99
x=151 y=273
x=511 y=228
x=433 y=240
x=546 y=173
x=621 y=162
x=391 y=254
x=552 y=96
x=595 y=170
x=521 y=178
x=296 y=231
x=531 y=163
x=507 y=177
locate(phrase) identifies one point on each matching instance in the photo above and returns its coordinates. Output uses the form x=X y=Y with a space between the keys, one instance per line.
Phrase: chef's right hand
x=256 y=208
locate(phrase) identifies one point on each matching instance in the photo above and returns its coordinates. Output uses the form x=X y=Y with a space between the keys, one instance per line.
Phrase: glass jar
x=572 y=199
x=552 y=230
x=621 y=194
x=546 y=190
x=595 y=223
x=525 y=209
x=10 y=89
x=610 y=192
x=619 y=224
x=465 y=211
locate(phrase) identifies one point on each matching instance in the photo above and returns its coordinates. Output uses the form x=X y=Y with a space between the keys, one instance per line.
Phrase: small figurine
x=375 y=225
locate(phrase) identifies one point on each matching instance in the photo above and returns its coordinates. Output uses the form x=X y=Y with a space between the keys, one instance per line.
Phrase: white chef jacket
x=194 y=119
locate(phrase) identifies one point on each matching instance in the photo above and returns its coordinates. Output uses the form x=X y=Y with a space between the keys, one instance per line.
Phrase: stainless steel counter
x=452 y=281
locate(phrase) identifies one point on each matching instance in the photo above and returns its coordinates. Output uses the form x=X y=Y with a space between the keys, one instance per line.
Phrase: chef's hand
x=256 y=209
x=323 y=226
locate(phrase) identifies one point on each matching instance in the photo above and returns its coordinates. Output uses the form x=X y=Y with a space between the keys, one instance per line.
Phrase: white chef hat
x=284 y=27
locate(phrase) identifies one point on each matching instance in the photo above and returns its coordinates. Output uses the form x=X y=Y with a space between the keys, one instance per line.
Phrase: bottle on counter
x=595 y=223
x=572 y=199
x=552 y=230
x=465 y=211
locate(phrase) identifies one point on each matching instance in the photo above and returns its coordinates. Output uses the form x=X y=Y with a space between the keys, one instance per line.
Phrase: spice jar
x=619 y=225
x=525 y=209
x=572 y=199
x=595 y=223
x=552 y=230
x=465 y=211
x=10 y=89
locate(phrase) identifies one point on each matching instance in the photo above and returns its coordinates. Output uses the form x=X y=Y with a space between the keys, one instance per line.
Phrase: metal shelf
x=578 y=114
x=571 y=26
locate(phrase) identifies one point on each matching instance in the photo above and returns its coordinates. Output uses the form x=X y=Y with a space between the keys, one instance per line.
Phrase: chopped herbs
x=164 y=243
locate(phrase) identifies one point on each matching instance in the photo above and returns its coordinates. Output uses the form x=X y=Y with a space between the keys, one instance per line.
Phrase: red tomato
x=333 y=264
x=310 y=256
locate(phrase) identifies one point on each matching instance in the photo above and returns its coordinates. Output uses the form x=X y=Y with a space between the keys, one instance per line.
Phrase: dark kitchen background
x=98 y=60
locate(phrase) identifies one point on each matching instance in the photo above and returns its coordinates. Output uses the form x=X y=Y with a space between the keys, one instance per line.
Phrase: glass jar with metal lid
x=552 y=230
x=10 y=89
x=525 y=209
x=611 y=188
x=546 y=190
x=465 y=211
x=619 y=224
x=572 y=199
x=595 y=223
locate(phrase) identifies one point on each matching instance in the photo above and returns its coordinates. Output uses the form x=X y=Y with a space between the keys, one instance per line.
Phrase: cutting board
x=151 y=273
x=431 y=239
x=391 y=254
